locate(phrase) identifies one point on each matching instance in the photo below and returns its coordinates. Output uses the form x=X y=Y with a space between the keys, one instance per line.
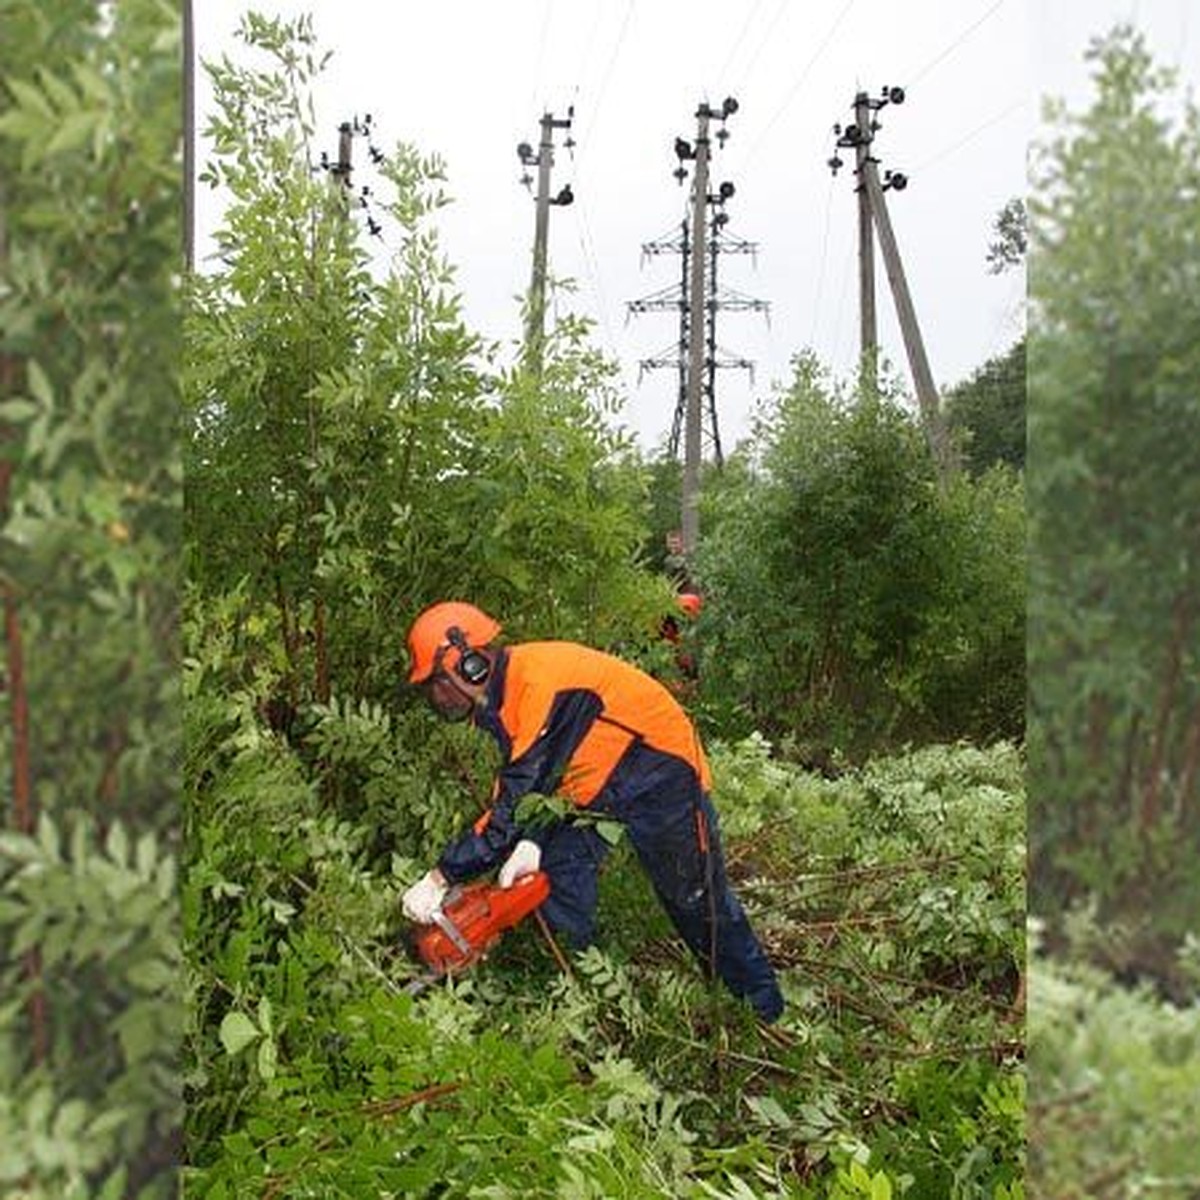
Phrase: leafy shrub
x=1118 y=1076
x=309 y=1068
x=877 y=608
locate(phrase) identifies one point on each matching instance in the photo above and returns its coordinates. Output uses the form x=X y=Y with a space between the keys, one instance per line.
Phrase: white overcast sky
x=469 y=79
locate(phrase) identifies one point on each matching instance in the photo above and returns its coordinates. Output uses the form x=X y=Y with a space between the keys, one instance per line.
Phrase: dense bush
x=877 y=606
x=890 y=899
x=90 y=251
x=1117 y=1103
x=1114 y=625
x=353 y=453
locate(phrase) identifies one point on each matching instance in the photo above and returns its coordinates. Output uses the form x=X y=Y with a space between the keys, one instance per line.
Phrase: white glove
x=424 y=898
x=524 y=860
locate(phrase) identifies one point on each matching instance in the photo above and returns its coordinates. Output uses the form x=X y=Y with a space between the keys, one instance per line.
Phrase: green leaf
x=237 y=1032
x=153 y=975
x=73 y=132
x=264 y=1016
x=117 y=844
x=18 y=410
x=610 y=831
x=268 y=1058
x=31 y=97
x=40 y=387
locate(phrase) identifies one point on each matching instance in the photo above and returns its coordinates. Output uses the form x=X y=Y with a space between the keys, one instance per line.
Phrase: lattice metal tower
x=717 y=298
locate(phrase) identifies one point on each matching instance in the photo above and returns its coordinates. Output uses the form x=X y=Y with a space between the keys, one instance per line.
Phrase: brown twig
x=559 y=957
x=395 y=1104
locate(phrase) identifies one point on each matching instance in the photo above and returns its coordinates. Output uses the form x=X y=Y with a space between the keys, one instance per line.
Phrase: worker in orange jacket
x=573 y=721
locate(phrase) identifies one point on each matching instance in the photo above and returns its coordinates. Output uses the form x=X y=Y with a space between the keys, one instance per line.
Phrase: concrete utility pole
x=868 y=334
x=914 y=345
x=870 y=191
x=535 y=333
x=341 y=172
x=691 y=425
x=700 y=153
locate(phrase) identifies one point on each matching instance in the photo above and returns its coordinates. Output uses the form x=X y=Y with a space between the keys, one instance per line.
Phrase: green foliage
x=354 y=452
x=90 y=249
x=1118 y=1077
x=1011 y=243
x=87 y=334
x=1114 y=629
x=877 y=606
x=102 y=917
x=308 y=1068
x=987 y=412
x=351 y=453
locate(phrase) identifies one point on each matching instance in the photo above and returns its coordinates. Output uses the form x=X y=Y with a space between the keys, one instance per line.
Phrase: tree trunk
x=1152 y=784
x=24 y=814
x=1191 y=763
x=322 y=651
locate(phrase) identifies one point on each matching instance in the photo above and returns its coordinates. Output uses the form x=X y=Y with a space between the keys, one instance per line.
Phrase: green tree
x=1011 y=241
x=876 y=606
x=987 y=411
x=89 y=518
x=1115 y=541
x=351 y=453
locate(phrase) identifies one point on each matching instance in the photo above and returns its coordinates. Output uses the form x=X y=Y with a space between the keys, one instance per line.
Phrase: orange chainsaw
x=470 y=922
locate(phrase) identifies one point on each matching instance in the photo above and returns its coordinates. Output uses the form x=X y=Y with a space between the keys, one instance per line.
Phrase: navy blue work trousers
x=673 y=829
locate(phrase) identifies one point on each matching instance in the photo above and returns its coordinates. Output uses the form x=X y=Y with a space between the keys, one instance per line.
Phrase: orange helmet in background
x=430 y=638
x=691 y=603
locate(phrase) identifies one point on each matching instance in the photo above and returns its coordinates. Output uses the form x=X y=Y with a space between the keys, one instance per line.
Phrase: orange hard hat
x=690 y=603
x=433 y=635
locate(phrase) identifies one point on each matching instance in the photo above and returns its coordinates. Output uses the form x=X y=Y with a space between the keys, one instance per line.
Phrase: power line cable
x=958 y=41
x=741 y=37
x=541 y=54
x=761 y=44
x=812 y=337
x=837 y=336
x=591 y=265
x=787 y=100
x=974 y=133
x=612 y=59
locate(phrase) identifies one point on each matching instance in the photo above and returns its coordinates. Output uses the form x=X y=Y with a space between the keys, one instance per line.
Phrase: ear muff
x=472 y=666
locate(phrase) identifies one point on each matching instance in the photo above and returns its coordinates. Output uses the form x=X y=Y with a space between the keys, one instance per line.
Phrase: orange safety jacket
x=575 y=722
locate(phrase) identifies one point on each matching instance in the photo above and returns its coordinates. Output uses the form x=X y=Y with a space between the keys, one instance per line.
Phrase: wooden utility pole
x=535 y=333
x=868 y=334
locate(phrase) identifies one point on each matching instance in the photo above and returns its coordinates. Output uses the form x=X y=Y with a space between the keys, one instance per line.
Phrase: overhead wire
x=541 y=54
x=586 y=242
x=812 y=337
x=791 y=96
x=608 y=70
x=954 y=45
x=741 y=37
x=838 y=336
x=974 y=133
x=591 y=266
x=745 y=74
